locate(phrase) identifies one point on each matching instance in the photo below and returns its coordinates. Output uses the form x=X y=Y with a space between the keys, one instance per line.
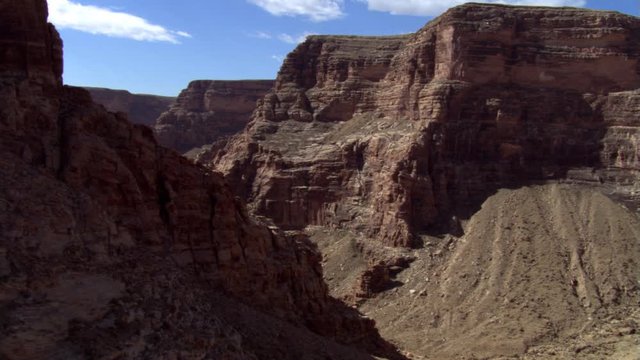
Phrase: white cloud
x=103 y=21
x=316 y=10
x=294 y=39
x=278 y=58
x=260 y=35
x=436 y=7
x=183 y=34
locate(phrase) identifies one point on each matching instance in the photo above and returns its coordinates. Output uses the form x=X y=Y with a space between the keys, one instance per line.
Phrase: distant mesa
x=205 y=112
x=141 y=108
x=208 y=110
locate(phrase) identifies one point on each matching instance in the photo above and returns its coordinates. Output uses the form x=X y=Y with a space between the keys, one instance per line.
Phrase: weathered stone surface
x=140 y=108
x=208 y=110
x=393 y=136
x=484 y=98
x=30 y=48
x=112 y=246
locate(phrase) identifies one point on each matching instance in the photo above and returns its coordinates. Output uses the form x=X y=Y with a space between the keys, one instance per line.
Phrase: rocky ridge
x=208 y=110
x=113 y=246
x=140 y=108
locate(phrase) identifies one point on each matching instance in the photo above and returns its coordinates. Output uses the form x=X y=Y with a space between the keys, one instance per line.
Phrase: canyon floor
x=497 y=292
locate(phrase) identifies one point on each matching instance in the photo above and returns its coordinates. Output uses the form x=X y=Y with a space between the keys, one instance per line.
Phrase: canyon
x=115 y=247
x=471 y=190
x=474 y=187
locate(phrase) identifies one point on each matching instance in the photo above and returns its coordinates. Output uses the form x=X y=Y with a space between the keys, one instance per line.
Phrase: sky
x=159 y=46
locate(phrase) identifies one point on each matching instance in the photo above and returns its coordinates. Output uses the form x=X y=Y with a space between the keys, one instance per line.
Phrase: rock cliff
x=395 y=154
x=393 y=135
x=113 y=246
x=140 y=108
x=208 y=110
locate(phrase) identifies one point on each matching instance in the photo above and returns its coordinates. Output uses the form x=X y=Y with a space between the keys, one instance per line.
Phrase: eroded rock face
x=392 y=136
x=208 y=110
x=30 y=48
x=113 y=246
x=140 y=108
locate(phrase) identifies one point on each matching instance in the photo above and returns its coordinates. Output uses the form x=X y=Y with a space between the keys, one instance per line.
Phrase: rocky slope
x=140 y=108
x=545 y=264
x=400 y=141
x=112 y=246
x=208 y=110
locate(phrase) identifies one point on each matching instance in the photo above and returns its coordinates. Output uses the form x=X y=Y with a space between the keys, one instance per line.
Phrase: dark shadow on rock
x=502 y=136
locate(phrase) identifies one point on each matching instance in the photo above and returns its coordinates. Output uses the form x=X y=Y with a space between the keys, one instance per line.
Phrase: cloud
x=261 y=35
x=316 y=10
x=102 y=21
x=294 y=39
x=436 y=7
x=278 y=58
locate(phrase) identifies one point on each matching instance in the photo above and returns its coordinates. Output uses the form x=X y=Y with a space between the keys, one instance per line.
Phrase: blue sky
x=158 y=46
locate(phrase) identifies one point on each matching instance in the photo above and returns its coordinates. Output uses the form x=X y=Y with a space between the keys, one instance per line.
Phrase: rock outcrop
x=113 y=246
x=208 y=110
x=140 y=108
x=393 y=136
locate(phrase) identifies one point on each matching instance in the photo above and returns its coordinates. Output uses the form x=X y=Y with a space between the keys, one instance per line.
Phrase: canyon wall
x=395 y=136
x=208 y=110
x=113 y=246
x=474 y=187
x=140 y=108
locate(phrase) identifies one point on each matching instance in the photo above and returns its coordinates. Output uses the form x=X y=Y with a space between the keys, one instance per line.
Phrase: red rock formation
x=484 y=98
x=140 y=108
x=113 y=246
x=208 y=110
x=30 y=48
x=389 y=136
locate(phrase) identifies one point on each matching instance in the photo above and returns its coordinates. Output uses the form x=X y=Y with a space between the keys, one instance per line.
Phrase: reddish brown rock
x=140 y=108
x=30 y=48
x=113 y=246
x=484 y=98
x=392 y=136
x=208 y=110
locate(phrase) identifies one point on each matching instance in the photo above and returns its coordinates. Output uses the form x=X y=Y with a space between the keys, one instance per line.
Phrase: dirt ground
x=541 y=272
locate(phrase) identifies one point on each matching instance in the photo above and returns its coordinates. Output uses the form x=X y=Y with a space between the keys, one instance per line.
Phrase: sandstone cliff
x=140 y=108
x=391 y=135
x=112 y=246
x=208 y=110
x=403 y=142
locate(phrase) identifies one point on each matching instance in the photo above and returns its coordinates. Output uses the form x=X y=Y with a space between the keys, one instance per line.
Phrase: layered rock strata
x=393 y=136
x=140 y=108
x=208 y=110
x=395 y=153
x=113 y=246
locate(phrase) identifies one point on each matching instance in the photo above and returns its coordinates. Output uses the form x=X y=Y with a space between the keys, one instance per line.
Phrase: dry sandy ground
x=542 y=272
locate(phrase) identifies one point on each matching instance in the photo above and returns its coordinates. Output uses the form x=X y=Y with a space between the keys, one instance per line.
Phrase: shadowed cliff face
x=113 y=246
x=30 y=48
x=208 y=110
x=140 y=108
x=390 y=136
